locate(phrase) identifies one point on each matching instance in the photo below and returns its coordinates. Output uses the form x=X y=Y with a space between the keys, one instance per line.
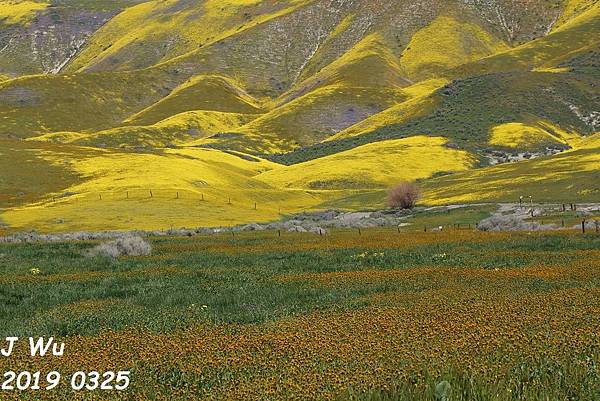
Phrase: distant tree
x=404 y=195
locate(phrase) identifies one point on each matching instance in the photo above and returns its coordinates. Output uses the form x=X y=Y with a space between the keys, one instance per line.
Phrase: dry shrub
x=404 y=195
x=126 y=246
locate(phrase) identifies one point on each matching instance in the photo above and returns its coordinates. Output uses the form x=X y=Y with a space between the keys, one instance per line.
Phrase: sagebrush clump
x=126 y=246
x=404 y=195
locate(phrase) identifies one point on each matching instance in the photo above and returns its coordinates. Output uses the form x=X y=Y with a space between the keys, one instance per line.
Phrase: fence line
x=162 y=194
x=178 y=194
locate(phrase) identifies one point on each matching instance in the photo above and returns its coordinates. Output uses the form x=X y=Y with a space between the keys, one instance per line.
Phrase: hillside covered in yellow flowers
x=133 y=114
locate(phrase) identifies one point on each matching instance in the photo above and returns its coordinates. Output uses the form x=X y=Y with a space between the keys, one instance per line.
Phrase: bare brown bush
x=404 y=195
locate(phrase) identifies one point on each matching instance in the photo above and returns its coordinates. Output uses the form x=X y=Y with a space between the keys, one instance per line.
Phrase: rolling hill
x=290 y=105
x=574 y=174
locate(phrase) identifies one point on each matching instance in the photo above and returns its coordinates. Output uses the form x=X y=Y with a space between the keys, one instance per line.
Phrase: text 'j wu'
x=37 y=347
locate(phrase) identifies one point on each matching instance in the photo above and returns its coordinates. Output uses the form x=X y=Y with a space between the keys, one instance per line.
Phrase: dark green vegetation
x=468 y=109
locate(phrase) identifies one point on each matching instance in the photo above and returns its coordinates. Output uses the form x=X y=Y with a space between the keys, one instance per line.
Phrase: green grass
x=536 y=379
x=465 y=217
x=234 y=276
x=496 y=315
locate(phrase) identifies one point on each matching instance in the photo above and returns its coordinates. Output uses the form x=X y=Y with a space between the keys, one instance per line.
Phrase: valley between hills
x=131 y=114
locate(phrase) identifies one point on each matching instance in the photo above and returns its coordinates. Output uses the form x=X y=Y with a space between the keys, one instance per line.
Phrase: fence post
x=202 y=197
x=177 y=194
x=151 y=194
x=359 y=232
x=583 y=226
x=127 y=194
x=254 y=205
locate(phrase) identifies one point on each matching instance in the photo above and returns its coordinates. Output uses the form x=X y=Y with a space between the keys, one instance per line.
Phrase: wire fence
x=164 y=195
x=537 y=212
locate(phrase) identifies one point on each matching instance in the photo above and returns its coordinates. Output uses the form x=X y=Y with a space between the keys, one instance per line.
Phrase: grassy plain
x=380 y=316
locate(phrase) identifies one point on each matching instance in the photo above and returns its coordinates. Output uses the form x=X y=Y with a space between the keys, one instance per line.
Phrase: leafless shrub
x=126 y=246
x=404 y=195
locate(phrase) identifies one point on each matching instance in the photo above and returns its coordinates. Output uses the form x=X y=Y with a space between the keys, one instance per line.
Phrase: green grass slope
x=208 y=93
x=573 y=176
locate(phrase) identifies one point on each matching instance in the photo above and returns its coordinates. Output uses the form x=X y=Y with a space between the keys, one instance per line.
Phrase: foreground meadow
x=377 y=316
